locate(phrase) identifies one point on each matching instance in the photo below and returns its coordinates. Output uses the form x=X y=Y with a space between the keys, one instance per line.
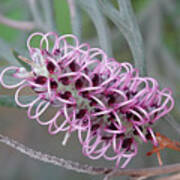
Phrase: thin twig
x=21 y=25
x=52 y=159
x=109 y=175
x=138 y=178
x=147 y=172
x=171 y=177
x=48 y=12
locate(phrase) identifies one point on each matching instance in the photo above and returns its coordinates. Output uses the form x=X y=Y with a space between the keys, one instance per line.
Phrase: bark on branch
x=75 y=166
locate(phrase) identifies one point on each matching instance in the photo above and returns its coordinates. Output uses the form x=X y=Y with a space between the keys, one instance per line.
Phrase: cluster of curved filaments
x=107 y=102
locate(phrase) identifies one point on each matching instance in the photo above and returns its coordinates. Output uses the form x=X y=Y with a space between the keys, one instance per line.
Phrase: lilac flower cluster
x=107 y=103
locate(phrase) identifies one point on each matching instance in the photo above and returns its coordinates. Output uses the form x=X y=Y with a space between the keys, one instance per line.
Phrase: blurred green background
x=163 y=63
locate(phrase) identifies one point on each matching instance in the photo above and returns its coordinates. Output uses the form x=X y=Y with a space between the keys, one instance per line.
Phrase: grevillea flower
x=106 y=102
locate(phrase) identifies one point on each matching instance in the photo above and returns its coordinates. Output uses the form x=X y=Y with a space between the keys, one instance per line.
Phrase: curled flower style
x=110 y=106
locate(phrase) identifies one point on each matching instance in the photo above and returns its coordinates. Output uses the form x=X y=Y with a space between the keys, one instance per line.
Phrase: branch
x=21 y=25
x=145 y=172
x=52 y=159
x=171 y=177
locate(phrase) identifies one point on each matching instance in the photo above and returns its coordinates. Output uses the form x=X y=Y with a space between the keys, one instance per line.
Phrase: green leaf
x=16 y=55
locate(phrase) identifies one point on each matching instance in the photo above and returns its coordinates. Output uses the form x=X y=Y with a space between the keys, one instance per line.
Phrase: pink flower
x=106 y=102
